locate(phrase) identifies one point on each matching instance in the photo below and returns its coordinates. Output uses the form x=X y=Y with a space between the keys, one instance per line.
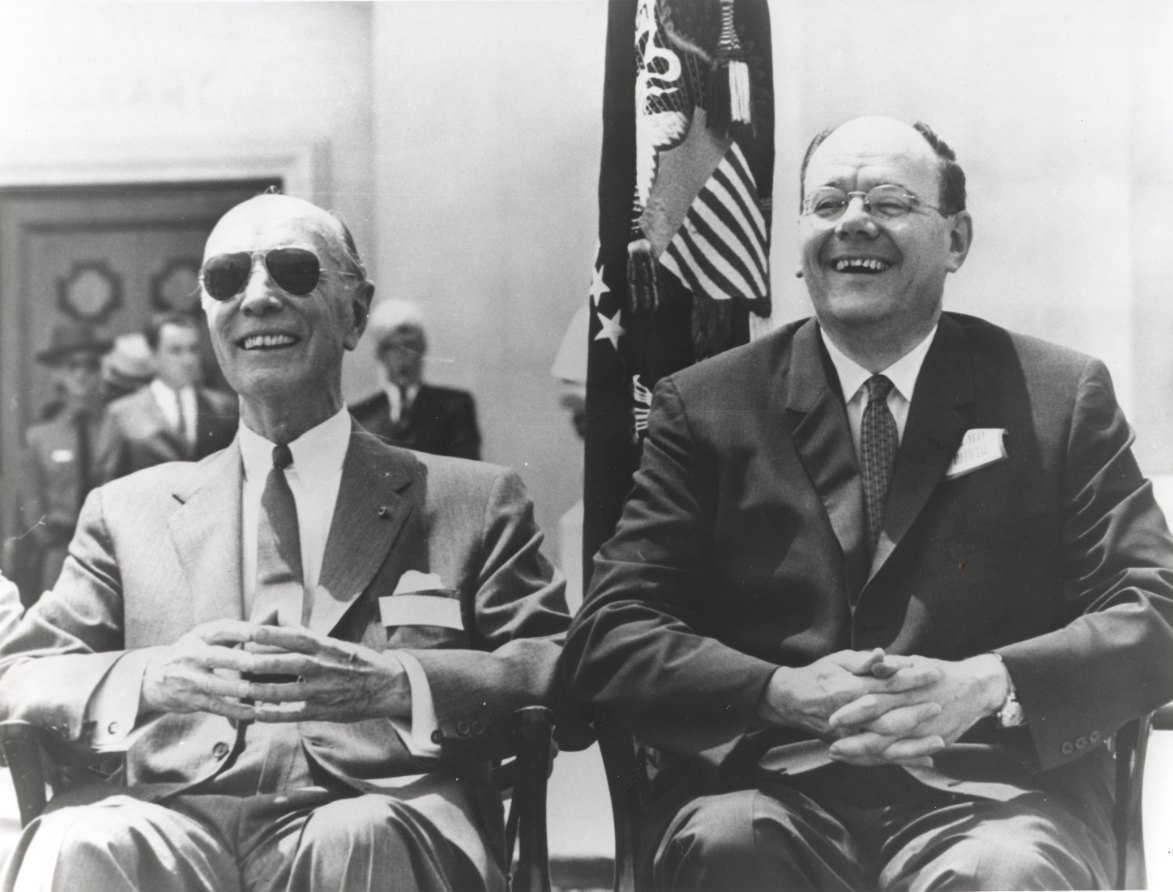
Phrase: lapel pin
x=384 y=511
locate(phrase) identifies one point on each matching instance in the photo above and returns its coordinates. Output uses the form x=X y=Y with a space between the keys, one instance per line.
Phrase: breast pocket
x=424 y=619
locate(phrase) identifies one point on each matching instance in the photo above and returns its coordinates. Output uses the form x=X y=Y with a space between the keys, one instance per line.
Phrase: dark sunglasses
x=295 y=270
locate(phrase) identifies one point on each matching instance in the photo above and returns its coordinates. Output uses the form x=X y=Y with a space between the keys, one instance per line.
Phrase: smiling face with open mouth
x=864 y=270
x=279 y=348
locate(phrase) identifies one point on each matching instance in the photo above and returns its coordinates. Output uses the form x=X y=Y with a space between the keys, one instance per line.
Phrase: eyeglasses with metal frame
x=885 y=202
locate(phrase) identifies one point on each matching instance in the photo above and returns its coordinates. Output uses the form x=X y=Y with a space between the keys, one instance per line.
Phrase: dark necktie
x=84 y=457
x=280 y=586
x=878 y=443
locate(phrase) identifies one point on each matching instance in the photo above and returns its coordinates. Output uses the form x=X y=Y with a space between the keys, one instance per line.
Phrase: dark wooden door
x=111 y=254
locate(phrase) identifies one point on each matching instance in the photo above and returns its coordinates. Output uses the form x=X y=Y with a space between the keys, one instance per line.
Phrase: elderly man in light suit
x=309 y=643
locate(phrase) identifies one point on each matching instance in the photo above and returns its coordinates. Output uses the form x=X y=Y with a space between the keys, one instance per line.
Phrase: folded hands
x=880 y=708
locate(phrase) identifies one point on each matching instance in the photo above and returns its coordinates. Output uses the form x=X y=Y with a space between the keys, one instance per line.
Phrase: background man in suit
x=59 y=464
x=311 y=642
x=128 y=367
x=408 y=412
x=174 y=418
x=889 y=579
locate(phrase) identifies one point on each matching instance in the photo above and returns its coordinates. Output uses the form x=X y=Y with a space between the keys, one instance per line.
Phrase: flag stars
x=598 y=286
x=611 y=329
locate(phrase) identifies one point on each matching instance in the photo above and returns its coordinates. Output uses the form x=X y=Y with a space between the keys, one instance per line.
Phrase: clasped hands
x=881 y=709
x=225 y=667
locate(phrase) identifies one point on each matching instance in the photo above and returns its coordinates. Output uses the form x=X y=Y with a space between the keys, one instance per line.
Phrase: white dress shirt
x=853 y=378
x=314 y=478
x=398 y=400
x=173 y=403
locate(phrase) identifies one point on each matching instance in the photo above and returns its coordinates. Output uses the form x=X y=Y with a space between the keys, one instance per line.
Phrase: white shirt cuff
x=417 y=736
x=113 y=707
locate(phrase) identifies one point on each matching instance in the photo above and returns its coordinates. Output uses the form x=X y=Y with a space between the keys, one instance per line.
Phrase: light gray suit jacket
x=159 y=552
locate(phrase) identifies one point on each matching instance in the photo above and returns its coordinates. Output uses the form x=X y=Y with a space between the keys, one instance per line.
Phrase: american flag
x=685 y=187
x=722 y=249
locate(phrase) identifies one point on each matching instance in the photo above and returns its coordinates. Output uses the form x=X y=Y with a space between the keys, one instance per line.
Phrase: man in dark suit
x=308 y=644
x=889 y=578
x=59 y=464
x=173 y=418
x=408 y=412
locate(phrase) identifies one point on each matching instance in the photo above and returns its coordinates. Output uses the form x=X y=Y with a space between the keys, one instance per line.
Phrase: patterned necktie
x=280 y=586
x=878 y=443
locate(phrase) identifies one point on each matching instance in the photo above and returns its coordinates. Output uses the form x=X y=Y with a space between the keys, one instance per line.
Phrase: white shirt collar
x=164 y=392
x=902 y=373
x=319 y=450
x=393 y=391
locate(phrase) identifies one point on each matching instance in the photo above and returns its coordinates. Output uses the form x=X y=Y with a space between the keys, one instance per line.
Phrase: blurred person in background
x=58 y=468
x=127 y=368
x=408 y=412
x=173 y=418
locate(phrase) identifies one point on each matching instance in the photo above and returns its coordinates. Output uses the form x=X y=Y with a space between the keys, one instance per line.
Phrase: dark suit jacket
x=440 y=421
x=136 y=434
x=51 y=477
x=159 y=552
x=742 y=548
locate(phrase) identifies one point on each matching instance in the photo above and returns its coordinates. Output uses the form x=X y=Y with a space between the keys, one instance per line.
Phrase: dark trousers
x=776 y=837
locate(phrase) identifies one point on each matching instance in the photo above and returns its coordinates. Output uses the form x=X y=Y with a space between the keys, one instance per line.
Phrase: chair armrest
x=533 y=728
x=23 y=748
x=1131 y=744
x=1162 y=719
x=627 y=783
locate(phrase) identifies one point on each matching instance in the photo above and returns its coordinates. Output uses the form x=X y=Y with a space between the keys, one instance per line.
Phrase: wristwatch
x=1011 y=715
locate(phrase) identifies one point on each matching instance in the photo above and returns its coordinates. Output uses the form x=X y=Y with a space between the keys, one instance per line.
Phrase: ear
x=360 y=306
x=960 y=238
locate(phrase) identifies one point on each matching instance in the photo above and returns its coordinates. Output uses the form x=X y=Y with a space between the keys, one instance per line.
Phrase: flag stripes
x=720 y=250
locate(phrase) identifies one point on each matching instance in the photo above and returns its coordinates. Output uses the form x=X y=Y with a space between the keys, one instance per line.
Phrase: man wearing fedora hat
x=58 y=468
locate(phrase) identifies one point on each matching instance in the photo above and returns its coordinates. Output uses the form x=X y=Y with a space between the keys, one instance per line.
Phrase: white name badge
x=420 y=610
x=980 y=446
x=61 y=455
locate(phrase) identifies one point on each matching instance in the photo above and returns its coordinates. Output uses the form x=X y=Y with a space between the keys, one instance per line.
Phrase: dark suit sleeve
x=634 y=648
x=466 y=436
x=112 y=454
x=1114 y=660
x=519 y=611
x=32 y=488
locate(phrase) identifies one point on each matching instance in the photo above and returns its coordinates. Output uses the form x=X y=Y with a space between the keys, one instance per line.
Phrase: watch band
x=1011 y=715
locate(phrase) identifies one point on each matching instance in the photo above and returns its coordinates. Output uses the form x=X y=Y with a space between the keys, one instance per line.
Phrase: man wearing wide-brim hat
x=58 y=465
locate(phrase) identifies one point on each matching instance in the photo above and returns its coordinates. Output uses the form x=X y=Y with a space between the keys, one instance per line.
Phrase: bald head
x=282 y=320
x=877 y=251
x=880 y=130
x=264 y=215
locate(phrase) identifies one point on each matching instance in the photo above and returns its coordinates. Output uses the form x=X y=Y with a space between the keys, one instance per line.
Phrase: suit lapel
x=206 y=531
x=368 y=516
x=823 y=438
x=163 y=431
x=932 y=435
